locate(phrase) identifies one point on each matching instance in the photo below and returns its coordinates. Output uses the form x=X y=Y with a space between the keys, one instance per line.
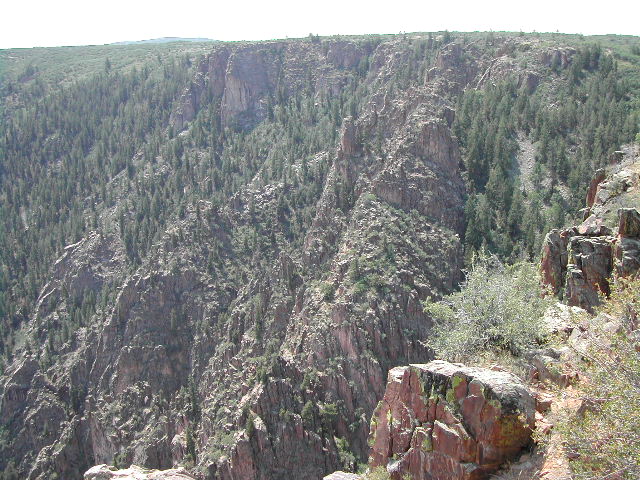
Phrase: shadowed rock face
x=578 y=262
x=597 y=179
x=554 y=260
x=443 y=421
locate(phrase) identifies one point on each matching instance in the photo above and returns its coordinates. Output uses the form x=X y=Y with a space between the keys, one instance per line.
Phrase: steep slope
x=249 y=262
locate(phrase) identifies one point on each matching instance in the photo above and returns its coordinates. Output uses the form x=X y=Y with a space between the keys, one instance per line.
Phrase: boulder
x=105 y=472
x=549 y=369
x=627 y=256
x=444 y=421
x=593 y=227
x=342 y=476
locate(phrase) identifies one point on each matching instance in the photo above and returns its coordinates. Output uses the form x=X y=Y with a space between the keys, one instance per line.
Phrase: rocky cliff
x=580 y=263
x=249 y=334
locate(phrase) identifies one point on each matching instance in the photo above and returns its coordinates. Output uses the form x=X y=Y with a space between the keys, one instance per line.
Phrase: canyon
x=241 y=348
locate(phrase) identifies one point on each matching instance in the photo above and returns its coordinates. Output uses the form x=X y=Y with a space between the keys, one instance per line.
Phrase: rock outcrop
x=627 y=247
x=443 y=421
x=245 y=78
x=554 y=261
x=597 y=179
x=578 y=263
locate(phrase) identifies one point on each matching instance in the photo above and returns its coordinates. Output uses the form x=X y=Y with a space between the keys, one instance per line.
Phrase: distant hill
x=164 y=40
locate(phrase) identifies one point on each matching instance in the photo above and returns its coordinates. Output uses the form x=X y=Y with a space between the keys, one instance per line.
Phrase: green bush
x=380 y=473
x=498 y=308
x=250 y=425
x=328 y=291
x=307 y=414
x=347 y=458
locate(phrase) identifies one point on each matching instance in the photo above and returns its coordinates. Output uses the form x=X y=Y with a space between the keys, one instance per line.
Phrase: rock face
x=578 y=263
x=245 y=78
x=554 y=260
x=443 y=421
x=588 y=270
x=253 y=335
x=627 y=247
x=103 y=472
x=597 y=179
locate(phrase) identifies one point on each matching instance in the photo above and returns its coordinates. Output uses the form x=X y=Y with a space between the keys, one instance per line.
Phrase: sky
x=32 y=23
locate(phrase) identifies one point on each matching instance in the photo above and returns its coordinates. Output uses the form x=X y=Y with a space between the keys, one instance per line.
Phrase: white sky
x=28 y=23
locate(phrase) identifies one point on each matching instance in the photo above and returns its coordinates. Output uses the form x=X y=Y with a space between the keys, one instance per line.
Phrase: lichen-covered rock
x=104 y=472
x=444 y=421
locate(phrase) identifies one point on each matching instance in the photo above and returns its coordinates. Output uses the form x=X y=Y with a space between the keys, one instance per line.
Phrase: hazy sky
x=25 y=23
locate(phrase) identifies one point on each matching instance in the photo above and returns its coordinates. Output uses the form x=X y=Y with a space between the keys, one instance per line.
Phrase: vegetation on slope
x=498 y=315
x=593 y=112
x=603 y=439
x=499 y=309
x=76 y=133
x=88 y=147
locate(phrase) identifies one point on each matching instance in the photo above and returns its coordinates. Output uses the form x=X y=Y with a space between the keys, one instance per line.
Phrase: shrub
x=347 y=458
x=250 y=425
x=329 y=414
x=381 y=473
x=307 y=414
x=498 y=308
x=605 y=438
x=328 y=291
